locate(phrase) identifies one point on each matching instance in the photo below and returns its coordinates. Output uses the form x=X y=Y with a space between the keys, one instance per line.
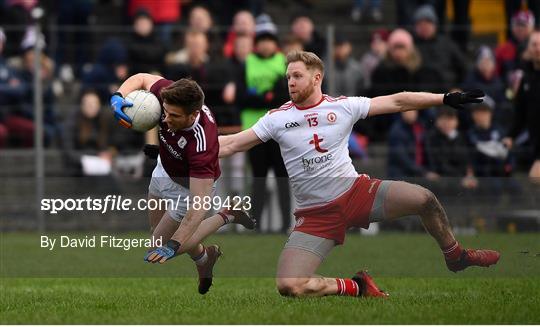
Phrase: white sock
x=227 y=218
x=201 y=258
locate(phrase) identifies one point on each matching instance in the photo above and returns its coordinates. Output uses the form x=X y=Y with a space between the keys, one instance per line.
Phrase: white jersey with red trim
x=314 y=145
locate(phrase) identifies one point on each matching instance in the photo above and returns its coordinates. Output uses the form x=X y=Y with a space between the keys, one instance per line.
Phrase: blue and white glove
x=117 y=104
x=163 y=253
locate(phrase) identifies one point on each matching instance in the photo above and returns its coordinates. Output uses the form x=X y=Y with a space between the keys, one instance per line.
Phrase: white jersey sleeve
x=358 y=107
x=263 y=128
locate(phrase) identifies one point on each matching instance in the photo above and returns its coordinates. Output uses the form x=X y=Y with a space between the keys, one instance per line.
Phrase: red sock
x=452 y=252
x=348 y=287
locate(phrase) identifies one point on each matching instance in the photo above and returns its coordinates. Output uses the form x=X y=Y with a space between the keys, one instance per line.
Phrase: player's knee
x=428 y=200
x=291 y=286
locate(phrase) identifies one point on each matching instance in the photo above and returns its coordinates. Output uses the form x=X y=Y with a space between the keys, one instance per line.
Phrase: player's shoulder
x=286 y=106
x=159 y=85
x=331 y=99
x=203 y=135
x=207 y=117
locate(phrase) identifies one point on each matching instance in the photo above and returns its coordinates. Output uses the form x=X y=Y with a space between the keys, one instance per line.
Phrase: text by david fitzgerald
x=99 y=241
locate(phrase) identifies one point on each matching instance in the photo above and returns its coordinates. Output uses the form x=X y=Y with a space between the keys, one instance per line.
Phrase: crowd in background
x=241 y=68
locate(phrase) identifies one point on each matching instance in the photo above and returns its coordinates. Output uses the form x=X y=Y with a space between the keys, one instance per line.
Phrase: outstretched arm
x=405 y=101
x=200 y=188
x=239 y=142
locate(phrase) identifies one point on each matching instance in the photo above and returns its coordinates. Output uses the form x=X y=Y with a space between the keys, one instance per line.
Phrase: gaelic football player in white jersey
x=312 y=131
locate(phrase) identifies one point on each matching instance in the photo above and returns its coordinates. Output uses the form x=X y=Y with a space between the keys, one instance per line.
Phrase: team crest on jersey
x=299 y=222
x=332 y=117
x=182 y=142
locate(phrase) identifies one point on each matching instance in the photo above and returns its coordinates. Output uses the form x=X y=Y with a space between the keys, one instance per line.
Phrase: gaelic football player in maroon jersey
x=187 y=168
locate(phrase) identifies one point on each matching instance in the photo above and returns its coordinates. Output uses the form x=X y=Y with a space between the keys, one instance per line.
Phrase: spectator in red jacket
x=509 y=54
x=164 y=13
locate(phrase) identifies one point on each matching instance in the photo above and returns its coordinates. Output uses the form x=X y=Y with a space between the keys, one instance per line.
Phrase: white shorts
x=162 y=186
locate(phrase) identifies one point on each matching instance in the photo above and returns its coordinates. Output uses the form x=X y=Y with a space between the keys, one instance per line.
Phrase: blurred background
x=60 y=61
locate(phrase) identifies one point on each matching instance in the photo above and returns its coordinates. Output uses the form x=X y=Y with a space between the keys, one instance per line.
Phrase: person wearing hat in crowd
x=261 y=88
x=484 y=76
x=490 y=157
x=526 y=107
x=402 y=69
x=437 y=49
x=511 y=7
x=509 y=55
x=145 y=51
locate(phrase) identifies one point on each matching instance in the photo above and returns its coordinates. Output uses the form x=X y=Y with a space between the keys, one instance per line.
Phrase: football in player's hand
x=145 y=112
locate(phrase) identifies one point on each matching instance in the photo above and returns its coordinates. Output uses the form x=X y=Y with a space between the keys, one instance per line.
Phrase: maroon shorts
x=351 y=209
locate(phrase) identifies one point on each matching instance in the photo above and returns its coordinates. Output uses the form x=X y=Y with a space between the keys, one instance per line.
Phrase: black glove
x=457 y=99
x=151 y=151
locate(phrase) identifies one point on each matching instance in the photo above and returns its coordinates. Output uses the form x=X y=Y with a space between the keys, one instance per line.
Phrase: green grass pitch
x=112 y=286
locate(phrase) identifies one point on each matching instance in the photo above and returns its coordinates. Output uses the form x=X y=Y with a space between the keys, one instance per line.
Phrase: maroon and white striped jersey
x=191 y=152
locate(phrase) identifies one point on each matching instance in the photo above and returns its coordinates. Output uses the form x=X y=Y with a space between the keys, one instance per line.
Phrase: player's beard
x=302 y=95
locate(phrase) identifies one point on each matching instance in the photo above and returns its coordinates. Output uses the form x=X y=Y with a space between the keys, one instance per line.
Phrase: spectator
x=16 y=13
x=291 y=43
x=164 y=13
x=447 y=151
x=212 y=75
x=490 y=157
x=405 y=11
x=348 y=72
x=230 y=122
x=484 y=77
x=243 y=46
x=200 y=19
x=15 y=129
x=509 y=55
x=145 y=52
x=512 y=6
x=374 y=7
x=407 y=156
x=243 y=25
x=371 y=59
x=436 y=49
x=262 y=87
x=526 y=102
x=402 y=69
x=87 y=133
x=24 y=64
x=303 y=28
x=109 y=71
x=448 y=156
x=195 y=48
